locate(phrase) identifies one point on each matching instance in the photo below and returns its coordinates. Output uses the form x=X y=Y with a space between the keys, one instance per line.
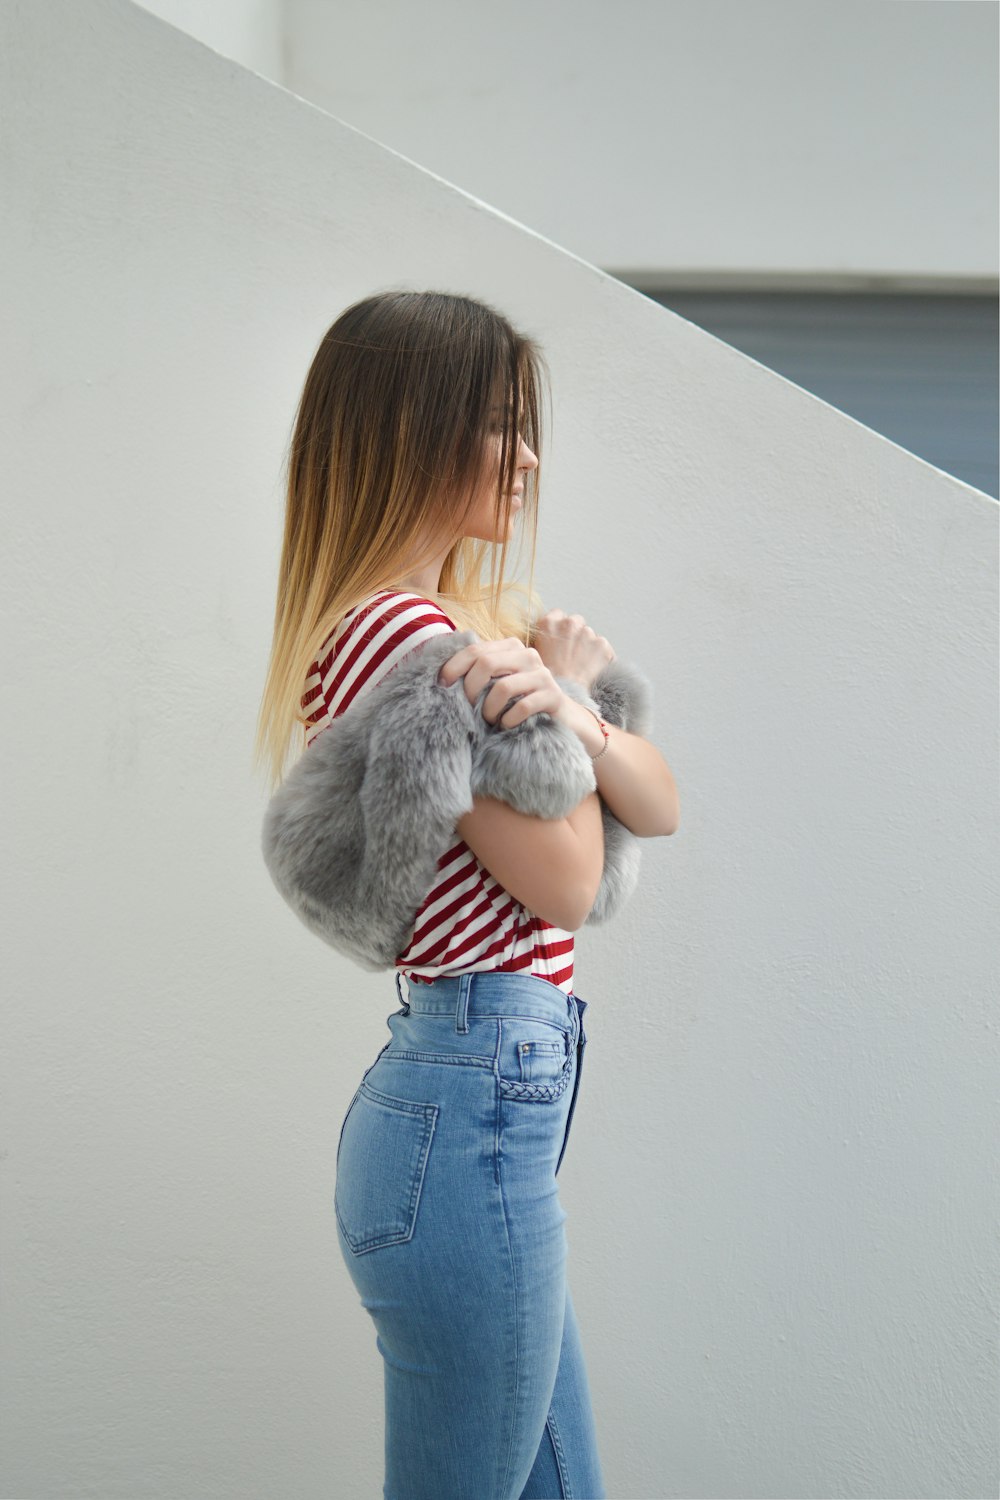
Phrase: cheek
x=490 y=482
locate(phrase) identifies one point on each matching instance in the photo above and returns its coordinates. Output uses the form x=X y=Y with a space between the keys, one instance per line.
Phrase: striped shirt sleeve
x=371 y=642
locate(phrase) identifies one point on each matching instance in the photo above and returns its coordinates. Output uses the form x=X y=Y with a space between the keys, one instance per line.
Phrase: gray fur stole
x=353 y=836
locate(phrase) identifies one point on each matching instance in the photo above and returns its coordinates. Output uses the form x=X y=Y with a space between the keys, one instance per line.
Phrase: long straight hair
x=386 y=455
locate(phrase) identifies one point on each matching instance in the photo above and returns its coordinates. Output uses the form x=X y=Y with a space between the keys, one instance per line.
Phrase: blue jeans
x=450 y=1224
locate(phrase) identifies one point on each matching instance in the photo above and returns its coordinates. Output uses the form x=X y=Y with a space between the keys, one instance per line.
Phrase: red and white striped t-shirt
x=468 y=922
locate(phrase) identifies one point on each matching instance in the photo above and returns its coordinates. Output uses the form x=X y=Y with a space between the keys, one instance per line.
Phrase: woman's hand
x=521 y=674
x=570 y=648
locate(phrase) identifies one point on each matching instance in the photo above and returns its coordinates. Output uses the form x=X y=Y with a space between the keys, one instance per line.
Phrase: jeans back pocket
x=381 y=1162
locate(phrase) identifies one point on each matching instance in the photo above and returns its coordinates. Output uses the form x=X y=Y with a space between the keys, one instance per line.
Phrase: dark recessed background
x=921 y=369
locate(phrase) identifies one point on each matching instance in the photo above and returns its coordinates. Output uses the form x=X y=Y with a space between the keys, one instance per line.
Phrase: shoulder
x=396 y=604
x=387 y=613
x=393 y=616
x=374 y=637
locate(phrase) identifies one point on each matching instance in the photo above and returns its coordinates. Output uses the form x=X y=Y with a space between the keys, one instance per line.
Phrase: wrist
x=583 y=724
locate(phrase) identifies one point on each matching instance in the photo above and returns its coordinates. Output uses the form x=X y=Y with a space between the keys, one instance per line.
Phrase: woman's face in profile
x=483 y=521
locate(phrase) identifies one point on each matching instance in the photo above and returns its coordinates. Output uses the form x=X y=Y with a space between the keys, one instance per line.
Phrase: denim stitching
x=430 y=1114
x=498 y=1117
x=534 y=1053
x=511 y=1090
x=445 y=1057
x=513 y=1274
x=560 y=1453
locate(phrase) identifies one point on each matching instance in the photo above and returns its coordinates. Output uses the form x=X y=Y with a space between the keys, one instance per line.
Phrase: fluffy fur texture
x=353 y=836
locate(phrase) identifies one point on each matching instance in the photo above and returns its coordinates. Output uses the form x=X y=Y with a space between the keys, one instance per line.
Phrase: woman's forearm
x=588 y=825
x=632 y=776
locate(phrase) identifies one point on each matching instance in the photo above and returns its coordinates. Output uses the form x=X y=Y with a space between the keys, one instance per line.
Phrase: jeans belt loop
x=403 y=1001
x=462 y=1003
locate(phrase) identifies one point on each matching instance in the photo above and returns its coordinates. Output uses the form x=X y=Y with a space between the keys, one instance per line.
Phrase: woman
x=415 y=447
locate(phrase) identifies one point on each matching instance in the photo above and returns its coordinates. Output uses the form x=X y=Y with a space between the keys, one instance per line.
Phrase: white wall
x=251 y=32
x=698 y=136
x=781 y=1183
x=850 y=142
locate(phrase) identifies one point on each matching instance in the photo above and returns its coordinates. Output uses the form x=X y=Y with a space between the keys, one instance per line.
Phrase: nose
x=525 y=458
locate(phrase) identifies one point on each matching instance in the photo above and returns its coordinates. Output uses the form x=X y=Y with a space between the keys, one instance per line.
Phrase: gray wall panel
x=921 y=369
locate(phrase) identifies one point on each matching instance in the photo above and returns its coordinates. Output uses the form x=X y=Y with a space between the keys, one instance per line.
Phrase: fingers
x=498 y=658
x=455 y=667
x=509 y=706
x=506 y=688
x=511 y=710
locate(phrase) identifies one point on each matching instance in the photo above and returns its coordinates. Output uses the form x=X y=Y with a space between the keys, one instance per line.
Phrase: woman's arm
x=587 y=823
x=552 y=866
x=632 y=777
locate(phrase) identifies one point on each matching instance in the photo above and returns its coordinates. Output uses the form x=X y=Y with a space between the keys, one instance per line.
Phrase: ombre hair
x=387 y=452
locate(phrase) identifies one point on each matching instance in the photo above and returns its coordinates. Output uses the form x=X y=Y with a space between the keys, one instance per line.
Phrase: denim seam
x=513 y=1273
x=499 y=1109
x=495 y=1015
x=404 y=1106
x=560 y=1453
x=480 y=1061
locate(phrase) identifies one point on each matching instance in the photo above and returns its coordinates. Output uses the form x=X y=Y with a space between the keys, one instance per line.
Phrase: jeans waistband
x=491 y=992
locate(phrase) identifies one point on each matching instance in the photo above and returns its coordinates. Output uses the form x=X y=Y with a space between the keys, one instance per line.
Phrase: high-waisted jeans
x=449 y=1221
